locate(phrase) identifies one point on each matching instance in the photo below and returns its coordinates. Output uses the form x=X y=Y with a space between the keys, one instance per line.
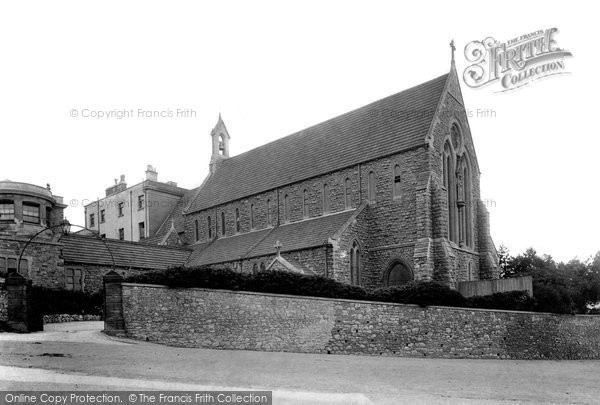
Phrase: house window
x=397 y=181
x=209 y=227
x=398 y=274
x=252 y=216
x=268 y=212
x=355 y=264
x=142 y=230
x=73 y=279
x=48 y=216
x=102 y=216
x=348 y=194
x=371 y=187
x=305 y=204
x=31 y=213
x=140 y=202
x=24 y=267
x=121 y=233
x=7 y=210
x=326 y=204
x=120 y=208
x=238 y=225
x=92 y=220
x=11 y=265
x=223 y=223
x=196 y=230
x=286 y=208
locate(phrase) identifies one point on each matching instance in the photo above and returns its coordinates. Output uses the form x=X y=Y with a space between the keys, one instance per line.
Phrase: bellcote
x=220 y=144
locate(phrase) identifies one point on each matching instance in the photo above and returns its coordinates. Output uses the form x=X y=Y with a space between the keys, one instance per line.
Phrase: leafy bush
x=421 y=293
x=47 y=302
x=512 y=300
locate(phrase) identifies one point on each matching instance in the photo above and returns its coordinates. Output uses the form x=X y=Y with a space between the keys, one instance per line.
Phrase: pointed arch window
x=450 y=189
x=398 y=273
x=196 y=230
x=348 y=193
x=355 y=264
x=262 y=266
x=238 y=226
x=252 y=225
x=255 y=268
x=464 y=203
x=209 y=227
x=286 y=208
x=268 y=212
x=222 y=223
x=305 y=203
x=371 y=187
x=326 y=199
x=397 y=181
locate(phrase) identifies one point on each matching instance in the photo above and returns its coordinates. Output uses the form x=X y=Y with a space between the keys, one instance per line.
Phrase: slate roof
x=397 y=122
x=293 y=236
x=175 y=217
x=92 y=250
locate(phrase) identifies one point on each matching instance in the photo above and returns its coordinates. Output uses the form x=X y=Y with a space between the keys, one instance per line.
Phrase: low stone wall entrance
x=221 y=319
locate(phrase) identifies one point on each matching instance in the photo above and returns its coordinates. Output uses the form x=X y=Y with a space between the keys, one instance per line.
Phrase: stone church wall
x=220 y=319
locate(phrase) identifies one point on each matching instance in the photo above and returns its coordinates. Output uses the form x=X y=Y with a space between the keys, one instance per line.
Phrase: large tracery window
x=457 y=183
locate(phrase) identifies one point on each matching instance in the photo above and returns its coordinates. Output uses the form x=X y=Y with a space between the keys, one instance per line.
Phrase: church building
x=378 y=196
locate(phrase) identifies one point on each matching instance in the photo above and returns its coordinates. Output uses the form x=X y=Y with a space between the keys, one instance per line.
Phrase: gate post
x=21 y=317
x=114 y=323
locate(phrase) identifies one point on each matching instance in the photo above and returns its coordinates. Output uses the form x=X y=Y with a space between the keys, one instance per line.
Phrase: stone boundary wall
x=3 y=303
x=219 y=319
x=59 y=318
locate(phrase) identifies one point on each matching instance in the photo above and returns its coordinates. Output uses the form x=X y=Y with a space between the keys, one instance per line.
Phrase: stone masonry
x=220 y=319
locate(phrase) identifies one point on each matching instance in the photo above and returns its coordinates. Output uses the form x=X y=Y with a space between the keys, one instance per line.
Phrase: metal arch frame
x=95 y=233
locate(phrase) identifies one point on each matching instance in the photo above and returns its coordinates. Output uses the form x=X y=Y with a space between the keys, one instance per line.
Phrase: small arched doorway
x=398 y=273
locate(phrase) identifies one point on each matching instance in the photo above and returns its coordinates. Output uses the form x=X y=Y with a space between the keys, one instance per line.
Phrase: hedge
x=421 y=293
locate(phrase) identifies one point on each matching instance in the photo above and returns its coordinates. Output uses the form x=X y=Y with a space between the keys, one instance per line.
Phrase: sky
x=273 y=68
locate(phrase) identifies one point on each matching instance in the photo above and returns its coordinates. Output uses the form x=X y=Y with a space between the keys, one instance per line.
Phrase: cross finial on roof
x=278 y=247
x=452 y=48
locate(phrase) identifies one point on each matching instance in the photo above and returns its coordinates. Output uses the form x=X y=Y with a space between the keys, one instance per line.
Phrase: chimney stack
x=151 y=173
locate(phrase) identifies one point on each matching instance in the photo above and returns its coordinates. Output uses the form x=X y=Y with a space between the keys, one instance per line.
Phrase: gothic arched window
x=372 y=187
x=286 y=208
x=397 y=181
x=221 y=145
x=464 y=202
x=196 y=230
x=268 y=212
x=209 y=227
x=251 y=216
x=305 y=203
x=398 y=274
x=223 y=223
x=326 y=204
x=262 y=266
x=355 y=264
x=238 y=226
x=254 y=268
x=450 y=186
x=348 y=193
